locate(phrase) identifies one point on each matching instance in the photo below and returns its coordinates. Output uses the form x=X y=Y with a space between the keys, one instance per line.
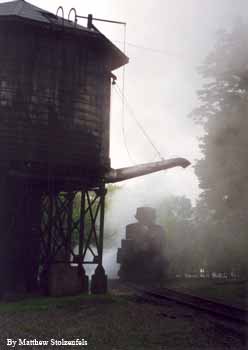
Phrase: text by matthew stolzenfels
x=51 y=342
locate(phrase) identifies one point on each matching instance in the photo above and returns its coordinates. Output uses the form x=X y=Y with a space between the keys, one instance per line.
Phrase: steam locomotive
x=142 y=256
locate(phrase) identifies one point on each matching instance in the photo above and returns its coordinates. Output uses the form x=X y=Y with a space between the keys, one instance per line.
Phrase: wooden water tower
x=55 y=79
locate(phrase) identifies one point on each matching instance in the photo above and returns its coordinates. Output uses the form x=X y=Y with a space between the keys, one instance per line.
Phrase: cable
x=126 y=146
x=155 y=50
x=123 y=134
x=124 y=100
x=139 y=124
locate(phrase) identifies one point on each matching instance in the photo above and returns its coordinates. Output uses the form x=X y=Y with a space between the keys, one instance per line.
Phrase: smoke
x=121 y=212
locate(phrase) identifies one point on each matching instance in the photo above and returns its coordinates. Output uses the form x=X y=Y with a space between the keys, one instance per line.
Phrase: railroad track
x=218 y=309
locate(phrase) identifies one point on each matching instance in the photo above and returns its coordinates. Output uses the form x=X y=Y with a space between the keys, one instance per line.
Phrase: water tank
x=55 y=79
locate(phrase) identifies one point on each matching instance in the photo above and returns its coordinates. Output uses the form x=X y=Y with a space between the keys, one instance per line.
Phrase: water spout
x=117 y=175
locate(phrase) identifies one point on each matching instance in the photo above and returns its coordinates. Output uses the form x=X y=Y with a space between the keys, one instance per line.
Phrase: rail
x=215 y=308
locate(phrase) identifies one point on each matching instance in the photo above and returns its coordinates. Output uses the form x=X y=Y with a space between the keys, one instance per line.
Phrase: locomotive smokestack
x=117 y=175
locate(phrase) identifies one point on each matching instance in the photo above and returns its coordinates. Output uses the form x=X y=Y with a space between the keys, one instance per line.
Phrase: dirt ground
x=114 y=322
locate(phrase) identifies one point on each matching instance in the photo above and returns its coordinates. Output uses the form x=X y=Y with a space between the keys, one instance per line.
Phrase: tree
x=223 y=170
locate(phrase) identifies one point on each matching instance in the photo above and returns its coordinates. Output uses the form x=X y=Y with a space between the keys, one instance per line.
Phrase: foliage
x=111 y=189
x=223 y=170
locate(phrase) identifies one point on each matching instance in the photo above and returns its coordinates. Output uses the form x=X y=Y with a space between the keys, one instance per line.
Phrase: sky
x=166 y=41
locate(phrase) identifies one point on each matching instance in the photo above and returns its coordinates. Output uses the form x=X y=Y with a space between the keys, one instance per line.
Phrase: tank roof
x=27 y=12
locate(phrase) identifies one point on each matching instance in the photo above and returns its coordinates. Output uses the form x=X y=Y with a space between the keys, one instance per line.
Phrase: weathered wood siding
x=54 y=98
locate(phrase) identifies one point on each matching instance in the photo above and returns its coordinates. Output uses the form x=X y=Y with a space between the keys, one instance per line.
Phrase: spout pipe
x=122 y=174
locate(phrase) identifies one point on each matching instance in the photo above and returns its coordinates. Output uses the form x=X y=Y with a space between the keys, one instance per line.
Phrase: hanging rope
x=131 y=113
x=123 y=101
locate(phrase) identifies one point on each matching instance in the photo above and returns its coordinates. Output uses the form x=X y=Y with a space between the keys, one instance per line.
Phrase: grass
x=111 y=322
x=46 y=303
